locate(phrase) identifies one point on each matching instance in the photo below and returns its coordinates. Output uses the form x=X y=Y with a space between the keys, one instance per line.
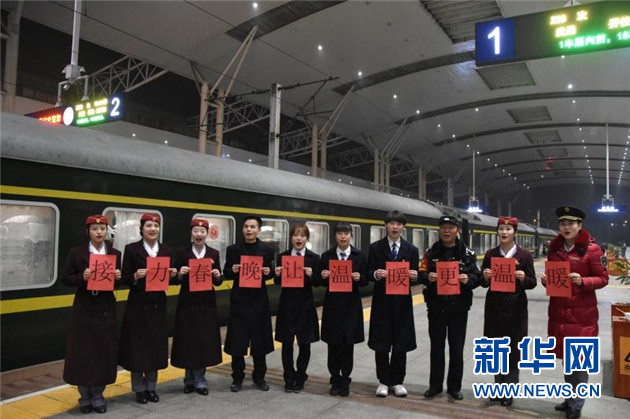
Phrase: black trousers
x=340 y=362
x=391 y=371
x=451 y=325
x=238 y=367
x=304 y=356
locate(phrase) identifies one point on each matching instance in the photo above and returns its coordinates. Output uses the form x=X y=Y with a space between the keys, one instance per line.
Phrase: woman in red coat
x=505 y=313
x=91 y=349
x=577 y=315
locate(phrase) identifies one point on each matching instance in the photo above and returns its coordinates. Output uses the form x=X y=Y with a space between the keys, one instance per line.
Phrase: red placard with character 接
x=102 y=272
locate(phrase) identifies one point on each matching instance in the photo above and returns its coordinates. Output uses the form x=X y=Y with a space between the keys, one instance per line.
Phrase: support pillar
x=323 y=155
x=274 y=127
x=203 y=117
x=377 y=169
x=314 y=151
x=219 y=124
x=11 y=58
x=422 y=185
x=449 y=192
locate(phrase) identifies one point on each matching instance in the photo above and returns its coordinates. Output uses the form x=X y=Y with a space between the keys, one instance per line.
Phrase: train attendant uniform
x=342 y=316
x=578 y=315
x=297 y=318
x=505 y=313
x=197 y=338
x=249 y=323
x=392 y=327
x=143 y=339
x=90 y=362
x=448 y=314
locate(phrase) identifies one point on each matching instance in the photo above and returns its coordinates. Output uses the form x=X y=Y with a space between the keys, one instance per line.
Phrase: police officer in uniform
x=448 y=314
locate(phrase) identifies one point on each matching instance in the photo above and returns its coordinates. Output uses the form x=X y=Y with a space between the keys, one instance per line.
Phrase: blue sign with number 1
x=494 y=41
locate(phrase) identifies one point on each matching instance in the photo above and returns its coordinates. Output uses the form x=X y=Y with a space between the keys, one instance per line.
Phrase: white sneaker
x=400 y=390
x=382 y=390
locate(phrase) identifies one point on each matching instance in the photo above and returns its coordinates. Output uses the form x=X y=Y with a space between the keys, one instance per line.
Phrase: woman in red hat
x=197 y=340
x=144 y=340
x=91 y=349
x=506 y=312
x=577 y=315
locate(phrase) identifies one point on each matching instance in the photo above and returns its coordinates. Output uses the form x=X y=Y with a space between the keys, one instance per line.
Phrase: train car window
x=221 y=234
x=320 y=236
x=433 y=237
x=376 y=233
x=356 y=236
x=477 y=242
x=275 y=233
x=403 y=233
x=418 y=239
x=29 y=233
x=126 y=225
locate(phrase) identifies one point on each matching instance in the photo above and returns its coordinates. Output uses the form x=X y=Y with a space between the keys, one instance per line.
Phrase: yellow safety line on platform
x=66 y=398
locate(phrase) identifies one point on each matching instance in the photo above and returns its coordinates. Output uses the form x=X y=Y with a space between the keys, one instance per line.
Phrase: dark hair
x=300 y=226
x=396 y=216
x=343 y=227
x=253 y=217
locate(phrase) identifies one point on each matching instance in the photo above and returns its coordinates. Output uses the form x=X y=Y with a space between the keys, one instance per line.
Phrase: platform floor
x=314 y=401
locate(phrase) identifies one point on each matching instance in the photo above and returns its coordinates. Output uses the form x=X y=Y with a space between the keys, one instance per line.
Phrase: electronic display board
x=90 y=112
x=571 y=30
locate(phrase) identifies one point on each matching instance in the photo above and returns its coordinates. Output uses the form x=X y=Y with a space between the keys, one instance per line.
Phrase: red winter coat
x=578 y=315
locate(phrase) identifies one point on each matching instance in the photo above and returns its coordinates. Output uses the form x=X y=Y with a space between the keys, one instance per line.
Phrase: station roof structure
x=411 y=72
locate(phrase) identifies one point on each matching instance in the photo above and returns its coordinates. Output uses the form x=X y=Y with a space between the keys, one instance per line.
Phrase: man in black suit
x=391 y=321
x=249 y=323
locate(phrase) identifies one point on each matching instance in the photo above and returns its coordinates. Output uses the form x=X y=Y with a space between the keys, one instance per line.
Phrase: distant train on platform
x=54 y=176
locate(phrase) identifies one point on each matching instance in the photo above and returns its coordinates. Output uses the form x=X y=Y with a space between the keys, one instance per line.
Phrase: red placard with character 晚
x=250 y=273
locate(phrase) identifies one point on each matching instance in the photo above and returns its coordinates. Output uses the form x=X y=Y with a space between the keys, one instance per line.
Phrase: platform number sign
x=495 y=41
x=85 y=113
x=584 y=28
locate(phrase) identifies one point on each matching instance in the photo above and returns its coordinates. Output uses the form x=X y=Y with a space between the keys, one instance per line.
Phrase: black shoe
x=141 y=397
x=261 y=384
x=573 y=413
x=344 y=391
x=100 y=409
x=289 y=386
x=86 y=409
x=334 y=390
x=432 y=392
x=152 y=396
x=189 y=388
x=236 y=386
x=506 y=401
x=562 y=407
x=298 y=386
x=457 y=395
x=202 y=390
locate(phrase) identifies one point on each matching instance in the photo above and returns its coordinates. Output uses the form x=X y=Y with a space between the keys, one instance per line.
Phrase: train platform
x=40 y=392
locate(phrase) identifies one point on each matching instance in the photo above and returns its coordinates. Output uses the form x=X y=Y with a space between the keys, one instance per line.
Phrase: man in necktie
x=392 y=326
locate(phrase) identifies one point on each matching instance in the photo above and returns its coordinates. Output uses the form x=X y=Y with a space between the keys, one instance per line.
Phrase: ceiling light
x=249 y=160
x=476 y=109
x=133 y=135
x=165 y=141
x=228 y=155
x=360 y=73
x=439 y=125
x=417 y=111
x=570 y=86
x=578 y=119
x=320 y=47
x=255 y=5
x=395 y=96
x=453 y=135
x=562 y=56
x=573 y=100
